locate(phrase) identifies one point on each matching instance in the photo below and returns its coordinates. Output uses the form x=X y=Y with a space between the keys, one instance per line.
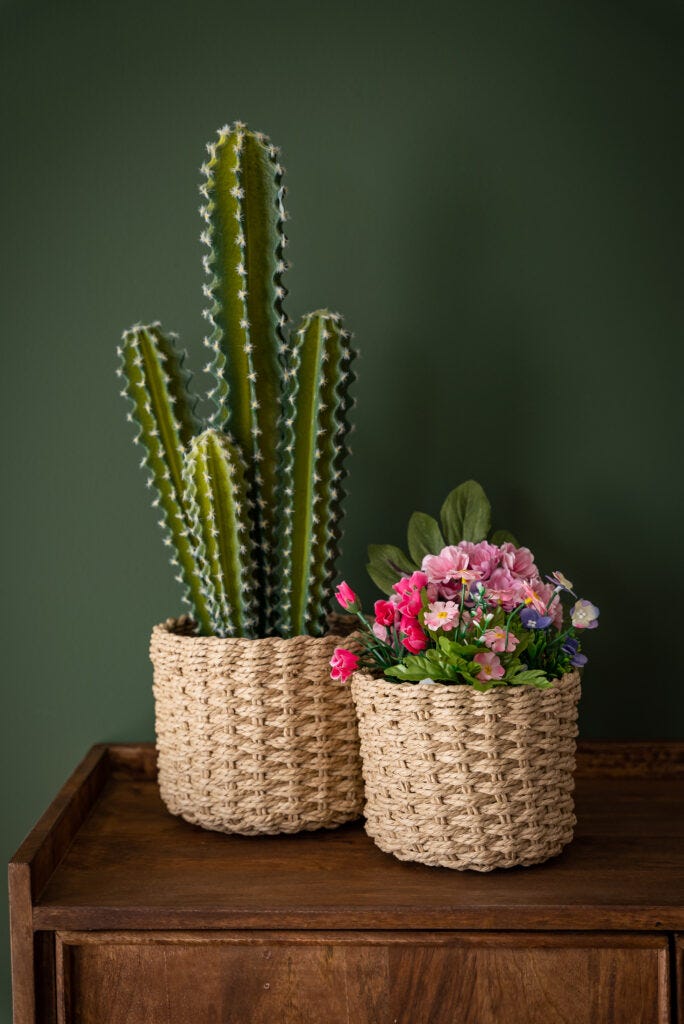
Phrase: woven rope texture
x=464 y=779
x=252 y=735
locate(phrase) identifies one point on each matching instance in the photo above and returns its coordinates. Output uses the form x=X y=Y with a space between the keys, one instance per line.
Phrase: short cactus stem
x=157 y=388
x=218 y=504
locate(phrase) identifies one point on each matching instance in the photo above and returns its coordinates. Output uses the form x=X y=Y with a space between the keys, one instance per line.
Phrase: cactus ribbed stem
x=252 y=504
x=157 y=388
x=315 y=427
x=244 y=218
x=216 y=496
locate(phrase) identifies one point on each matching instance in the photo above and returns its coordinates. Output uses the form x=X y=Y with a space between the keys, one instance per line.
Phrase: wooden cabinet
x=122 y=913
x=384 y=978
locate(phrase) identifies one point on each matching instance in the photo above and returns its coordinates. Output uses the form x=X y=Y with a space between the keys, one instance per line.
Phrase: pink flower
x=409 y=590
x=411 y=603
x=343 y=663
x=412 y=636
x=535 y=594
x=551 y=601
x=495 y=639
x=442 y=615
x=346 y=596
x=483 y=556
x=440 y=568
x=503 y=589
x=584 y=615
x=519 y=561
x=384 y=613
x=380 y=631
x=407 y=622
x=491 y=667
x=416 y=581
x=449 y=566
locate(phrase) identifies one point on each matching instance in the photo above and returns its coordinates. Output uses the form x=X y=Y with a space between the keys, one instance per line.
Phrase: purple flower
x=532 y=619
x=571 y=647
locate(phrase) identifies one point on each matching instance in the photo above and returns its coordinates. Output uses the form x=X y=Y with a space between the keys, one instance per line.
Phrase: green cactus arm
x=157 y=388
x=317 y=401
x=218 y=503
x=244 y=215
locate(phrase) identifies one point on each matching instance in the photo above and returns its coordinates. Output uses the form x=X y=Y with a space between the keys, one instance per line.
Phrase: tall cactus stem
x=157 y=388
x=244 y=217
x=313 y=453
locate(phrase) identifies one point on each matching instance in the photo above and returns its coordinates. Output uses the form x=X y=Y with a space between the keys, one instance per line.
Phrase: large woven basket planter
x=253 y=736
x=468 y=780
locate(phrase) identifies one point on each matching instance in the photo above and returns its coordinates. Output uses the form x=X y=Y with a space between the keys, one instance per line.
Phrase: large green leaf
x=466 y=513
x=424 y=536
x=387 y=564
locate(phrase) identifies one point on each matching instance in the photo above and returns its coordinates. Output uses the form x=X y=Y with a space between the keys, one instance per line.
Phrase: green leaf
x=500 y=537
x=456 y=649
x=480 y=687
x=387 y=564
x=423 y=666
x=424 y=536
x=531 y=677
x=407 y=675
x=469 y=678
x=466 y=513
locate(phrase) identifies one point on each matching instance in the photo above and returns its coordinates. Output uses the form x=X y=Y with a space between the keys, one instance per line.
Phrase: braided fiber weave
x=252 y=735
x=464 y=779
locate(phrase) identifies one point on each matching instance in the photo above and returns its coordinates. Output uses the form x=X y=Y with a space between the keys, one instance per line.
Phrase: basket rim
x=369 y=686
x=164 y=632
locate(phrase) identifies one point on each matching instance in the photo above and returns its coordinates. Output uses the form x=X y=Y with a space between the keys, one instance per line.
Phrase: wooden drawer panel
x=361 y=978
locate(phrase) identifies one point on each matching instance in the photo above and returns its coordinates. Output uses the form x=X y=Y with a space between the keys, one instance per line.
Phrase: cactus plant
x=251 y=499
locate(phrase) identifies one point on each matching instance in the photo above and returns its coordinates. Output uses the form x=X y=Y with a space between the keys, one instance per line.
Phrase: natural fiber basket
x=465 y=779
x=252 y=735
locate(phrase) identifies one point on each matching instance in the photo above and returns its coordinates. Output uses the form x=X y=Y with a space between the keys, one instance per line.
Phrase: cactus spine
x=253 y=502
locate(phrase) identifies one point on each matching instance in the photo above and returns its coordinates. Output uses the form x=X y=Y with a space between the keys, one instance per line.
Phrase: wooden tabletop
x=113 y=857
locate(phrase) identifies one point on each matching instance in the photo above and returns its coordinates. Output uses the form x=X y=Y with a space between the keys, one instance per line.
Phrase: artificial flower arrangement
x=475 y=769
x=475 y=613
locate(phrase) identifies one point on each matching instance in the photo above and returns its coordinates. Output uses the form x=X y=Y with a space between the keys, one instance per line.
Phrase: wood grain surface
x=107 y=856
x=363 y=978
x=133 y=865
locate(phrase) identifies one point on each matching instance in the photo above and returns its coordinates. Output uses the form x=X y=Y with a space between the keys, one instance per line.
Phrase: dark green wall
x=490 y=192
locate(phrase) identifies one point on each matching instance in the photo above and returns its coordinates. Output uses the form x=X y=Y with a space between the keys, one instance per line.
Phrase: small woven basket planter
x=253 y=736
x=468 y=780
